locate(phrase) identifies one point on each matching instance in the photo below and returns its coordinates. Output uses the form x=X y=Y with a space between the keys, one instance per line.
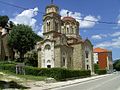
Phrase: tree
x=31 y=59
x=3 y=21
x=22 y=39
x=116 y=65
x=96 y=67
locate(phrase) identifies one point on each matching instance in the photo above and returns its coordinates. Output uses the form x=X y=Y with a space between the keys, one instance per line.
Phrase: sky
x=104 y=35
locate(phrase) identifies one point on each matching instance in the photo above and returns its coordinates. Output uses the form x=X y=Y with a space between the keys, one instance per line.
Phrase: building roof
x=68 y=18
x=99 y=50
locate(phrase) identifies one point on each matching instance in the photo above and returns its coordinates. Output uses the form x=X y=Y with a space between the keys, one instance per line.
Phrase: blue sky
x=101 y=35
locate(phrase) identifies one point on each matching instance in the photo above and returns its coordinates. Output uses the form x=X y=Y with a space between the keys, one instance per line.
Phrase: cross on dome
x=67 y=13
x=51 y=1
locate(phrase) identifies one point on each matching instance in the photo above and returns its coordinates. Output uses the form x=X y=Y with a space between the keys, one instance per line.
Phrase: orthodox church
x=62 y=45
x=5 y=52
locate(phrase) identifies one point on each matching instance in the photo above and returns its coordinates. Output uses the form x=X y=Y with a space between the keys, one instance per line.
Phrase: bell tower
x=51 y=19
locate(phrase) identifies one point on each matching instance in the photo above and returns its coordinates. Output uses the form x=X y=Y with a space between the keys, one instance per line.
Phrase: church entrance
x=48 y=66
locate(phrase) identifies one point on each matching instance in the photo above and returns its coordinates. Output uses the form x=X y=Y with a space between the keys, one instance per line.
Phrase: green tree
x=22 y=39
x=31 y=59
x=116 y=65
x=96 y=67
x=3 y=21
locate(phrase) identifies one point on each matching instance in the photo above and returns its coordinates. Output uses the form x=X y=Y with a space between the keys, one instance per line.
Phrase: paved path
x=110 y=82
x=49 y=86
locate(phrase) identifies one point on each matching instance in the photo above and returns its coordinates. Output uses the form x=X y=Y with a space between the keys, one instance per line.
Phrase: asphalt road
x=110 y=82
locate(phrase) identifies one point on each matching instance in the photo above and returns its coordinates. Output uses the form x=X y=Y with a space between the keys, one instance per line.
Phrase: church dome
x=52 y=9
x=68 y=18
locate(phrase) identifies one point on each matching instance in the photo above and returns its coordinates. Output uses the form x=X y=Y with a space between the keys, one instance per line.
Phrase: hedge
x=101 y=71
x=56 y=73
x=9 y=67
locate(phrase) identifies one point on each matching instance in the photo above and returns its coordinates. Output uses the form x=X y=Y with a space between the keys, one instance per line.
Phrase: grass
x=17 y=81
x=30 y=77
x=24 y=77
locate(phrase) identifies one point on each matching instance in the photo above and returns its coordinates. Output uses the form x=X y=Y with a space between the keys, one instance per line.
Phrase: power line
x=13 y=5
x=10 y=4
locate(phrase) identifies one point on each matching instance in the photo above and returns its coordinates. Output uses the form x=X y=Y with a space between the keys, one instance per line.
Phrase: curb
x=76 y=82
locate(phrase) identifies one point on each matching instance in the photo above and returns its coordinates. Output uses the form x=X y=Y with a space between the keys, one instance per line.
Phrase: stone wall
x=39 y=58
x=57 y=57
x=77 y=56
x=89 y=61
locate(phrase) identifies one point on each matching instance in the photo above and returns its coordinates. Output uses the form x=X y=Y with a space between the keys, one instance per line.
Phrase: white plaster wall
x=47 y=55
x=89 y=59
x=95 y=57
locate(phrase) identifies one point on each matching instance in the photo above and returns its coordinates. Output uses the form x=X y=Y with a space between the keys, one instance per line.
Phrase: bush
x=31 y=59
x=56 y=73
x=100 y=72
x=116 y=65
x=9 y=67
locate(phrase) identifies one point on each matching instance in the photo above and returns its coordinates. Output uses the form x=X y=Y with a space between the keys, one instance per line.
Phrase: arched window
x=47 y=47
x=48 y=61
x=87 y=54
x=56 y=26
x=87 y=67
x=67 y=30
x=63 y=61
x=48 y=26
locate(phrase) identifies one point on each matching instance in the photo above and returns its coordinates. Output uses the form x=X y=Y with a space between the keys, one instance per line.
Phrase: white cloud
x=96 y=37
x=118 y=20
x=115 y=43
x=100 y=36
x=115 y=34
x=27 y=17
x=85 y=22
x=40 y=32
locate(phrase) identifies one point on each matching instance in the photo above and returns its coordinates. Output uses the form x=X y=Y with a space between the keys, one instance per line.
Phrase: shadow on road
x=11 y=84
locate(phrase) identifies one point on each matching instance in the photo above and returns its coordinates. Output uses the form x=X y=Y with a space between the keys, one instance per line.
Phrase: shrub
x=56 y=73
x=31 y=59
x=101 y=71
x=9 y=67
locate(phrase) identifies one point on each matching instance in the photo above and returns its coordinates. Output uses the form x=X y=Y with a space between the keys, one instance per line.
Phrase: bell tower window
x=47 y=47
x=56 y=26
x=87 y=54
x=67 y=30
x=48 y=26
x=63 y=61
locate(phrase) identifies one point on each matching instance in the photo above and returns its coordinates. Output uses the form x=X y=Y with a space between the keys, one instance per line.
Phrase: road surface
x=110 y=82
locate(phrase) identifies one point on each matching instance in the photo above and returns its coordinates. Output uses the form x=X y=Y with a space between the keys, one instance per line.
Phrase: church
x=62 y=45
x=6 y=53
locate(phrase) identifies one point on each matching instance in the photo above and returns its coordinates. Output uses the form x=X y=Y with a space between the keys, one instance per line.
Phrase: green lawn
x=23 y=78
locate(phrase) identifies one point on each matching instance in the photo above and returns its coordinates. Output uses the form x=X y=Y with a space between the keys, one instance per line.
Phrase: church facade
x=62 y=45
x=5 y=52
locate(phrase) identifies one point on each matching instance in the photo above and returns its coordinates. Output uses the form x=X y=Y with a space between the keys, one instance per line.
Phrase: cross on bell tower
x=51 y=1
x=67 y=13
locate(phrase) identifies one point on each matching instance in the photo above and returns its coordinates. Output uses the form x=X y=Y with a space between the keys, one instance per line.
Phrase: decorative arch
x=47 y=47
x=48 y=25
x=48 y=61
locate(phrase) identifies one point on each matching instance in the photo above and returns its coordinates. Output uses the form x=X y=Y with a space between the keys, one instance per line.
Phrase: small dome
x=52 y=8
x=68 y=18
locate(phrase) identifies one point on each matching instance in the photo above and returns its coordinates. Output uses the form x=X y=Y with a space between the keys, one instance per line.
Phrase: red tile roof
x=98 y=50
x=68 y=18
